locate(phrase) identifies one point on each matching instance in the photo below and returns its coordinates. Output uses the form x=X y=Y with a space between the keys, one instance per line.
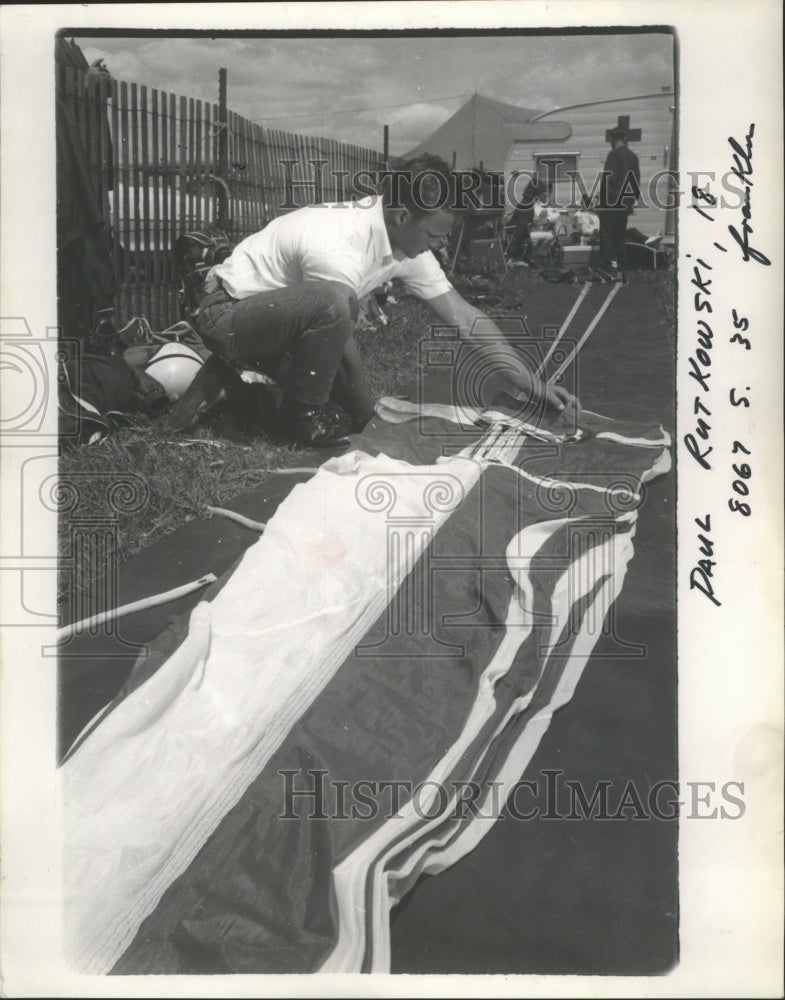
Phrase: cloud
x=408 y=126
x=299 y=83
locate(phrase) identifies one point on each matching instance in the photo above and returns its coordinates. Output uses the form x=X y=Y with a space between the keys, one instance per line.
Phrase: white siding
x=589 y=123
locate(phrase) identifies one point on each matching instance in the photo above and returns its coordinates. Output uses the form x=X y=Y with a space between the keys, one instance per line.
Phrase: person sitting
x=586 y=223
x=522 y=218
x=287 y=302
x=543 y=229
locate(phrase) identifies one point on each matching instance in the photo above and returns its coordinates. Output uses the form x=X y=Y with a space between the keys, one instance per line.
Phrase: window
x=554 y=166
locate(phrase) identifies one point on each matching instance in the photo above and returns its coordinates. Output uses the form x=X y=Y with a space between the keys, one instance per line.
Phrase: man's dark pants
x=296 y=334
x=613 y=227
x=522 y=219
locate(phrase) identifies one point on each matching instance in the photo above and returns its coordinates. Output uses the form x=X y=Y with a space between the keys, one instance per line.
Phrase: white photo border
x=730 y=656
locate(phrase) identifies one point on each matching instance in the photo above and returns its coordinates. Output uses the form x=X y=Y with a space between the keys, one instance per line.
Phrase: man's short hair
x=421 y=185
x=618 y=134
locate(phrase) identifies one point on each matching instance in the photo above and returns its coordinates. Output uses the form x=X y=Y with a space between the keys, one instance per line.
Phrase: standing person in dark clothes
x=620 y=190
x=523 y=216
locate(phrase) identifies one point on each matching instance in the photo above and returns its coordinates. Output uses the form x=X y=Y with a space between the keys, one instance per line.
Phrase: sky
x=348 y=88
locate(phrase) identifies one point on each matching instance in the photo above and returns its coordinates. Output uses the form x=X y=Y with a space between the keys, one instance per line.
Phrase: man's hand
x=559 y=398
x=527 y=388
x=514 y=377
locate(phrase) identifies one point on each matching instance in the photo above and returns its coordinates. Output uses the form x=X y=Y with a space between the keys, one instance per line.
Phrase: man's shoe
x=208 y=388
x=339 y=416
x=350 y=423
x=312 y=425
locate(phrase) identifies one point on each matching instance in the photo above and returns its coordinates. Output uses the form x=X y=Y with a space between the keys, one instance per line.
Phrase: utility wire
x=354 y=111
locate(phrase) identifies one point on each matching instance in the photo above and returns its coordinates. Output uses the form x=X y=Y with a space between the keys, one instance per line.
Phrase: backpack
x=97 y=394
x=194 y=254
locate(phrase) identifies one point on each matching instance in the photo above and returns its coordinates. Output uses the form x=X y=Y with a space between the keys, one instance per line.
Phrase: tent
x=481 y=131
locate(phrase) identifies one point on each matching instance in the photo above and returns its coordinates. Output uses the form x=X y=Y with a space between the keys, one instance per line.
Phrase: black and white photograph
x=392 y=541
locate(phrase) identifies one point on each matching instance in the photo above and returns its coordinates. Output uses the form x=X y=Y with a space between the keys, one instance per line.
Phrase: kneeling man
x=286 y=301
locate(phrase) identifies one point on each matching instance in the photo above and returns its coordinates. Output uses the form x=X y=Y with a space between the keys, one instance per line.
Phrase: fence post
x=148 y=174
x=222 y=211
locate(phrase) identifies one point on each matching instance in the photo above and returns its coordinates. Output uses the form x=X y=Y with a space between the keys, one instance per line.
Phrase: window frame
x=562 y=155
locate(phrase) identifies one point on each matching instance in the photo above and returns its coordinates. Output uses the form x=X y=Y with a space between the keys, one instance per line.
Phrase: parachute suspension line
x=563 y=328
x=588 y=332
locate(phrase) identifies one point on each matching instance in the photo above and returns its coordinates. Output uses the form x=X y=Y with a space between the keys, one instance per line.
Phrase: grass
x=145 y=482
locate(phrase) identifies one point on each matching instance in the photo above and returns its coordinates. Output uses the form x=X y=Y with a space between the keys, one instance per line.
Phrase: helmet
x=175 y=366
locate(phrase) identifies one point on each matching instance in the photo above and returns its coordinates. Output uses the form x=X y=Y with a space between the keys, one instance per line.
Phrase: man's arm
x=351 y=386
x=514 y=374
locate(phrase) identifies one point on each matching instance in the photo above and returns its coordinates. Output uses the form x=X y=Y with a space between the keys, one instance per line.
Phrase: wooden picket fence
x=159 y=163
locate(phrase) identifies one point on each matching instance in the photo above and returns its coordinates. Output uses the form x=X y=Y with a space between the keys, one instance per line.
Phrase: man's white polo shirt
x=340 y=241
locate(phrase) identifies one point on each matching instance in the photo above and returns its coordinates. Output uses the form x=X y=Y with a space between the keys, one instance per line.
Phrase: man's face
x=412 y=235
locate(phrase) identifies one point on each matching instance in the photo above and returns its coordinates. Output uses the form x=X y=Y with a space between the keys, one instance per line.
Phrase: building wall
x=589 y=122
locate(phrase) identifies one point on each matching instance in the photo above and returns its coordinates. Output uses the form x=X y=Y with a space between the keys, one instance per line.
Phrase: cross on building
x=623 y=121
